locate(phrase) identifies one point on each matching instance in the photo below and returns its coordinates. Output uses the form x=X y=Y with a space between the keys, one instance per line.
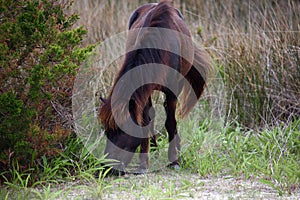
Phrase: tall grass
x=256 y=45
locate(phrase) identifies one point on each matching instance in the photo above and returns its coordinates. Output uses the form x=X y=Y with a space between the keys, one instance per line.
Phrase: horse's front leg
x=171 y=126
x=145 y=143
x=144 y=156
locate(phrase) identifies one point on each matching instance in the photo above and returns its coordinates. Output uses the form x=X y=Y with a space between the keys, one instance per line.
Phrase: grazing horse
x=160 y=55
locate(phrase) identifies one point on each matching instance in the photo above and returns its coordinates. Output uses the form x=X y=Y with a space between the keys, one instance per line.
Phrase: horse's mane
x=162 y=15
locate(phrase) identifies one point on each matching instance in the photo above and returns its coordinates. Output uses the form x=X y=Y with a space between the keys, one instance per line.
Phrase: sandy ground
x=174 y=185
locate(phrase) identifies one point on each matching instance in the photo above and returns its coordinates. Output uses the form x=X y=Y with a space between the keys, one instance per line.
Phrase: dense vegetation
x=255 y=46
x=40 y=54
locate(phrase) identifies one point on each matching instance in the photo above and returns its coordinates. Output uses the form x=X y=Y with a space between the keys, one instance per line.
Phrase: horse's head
x=120 y=146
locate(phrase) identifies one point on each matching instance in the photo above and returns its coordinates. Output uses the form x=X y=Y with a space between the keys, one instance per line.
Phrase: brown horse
x=160 y=56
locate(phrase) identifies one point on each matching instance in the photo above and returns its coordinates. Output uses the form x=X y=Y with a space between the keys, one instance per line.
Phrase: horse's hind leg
x=171 y=126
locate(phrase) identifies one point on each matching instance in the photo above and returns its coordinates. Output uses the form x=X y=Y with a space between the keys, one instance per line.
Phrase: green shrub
x=40 y=53
x=14 y=122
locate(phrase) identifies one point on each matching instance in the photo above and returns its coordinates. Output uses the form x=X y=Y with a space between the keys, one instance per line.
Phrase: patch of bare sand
x=178 y=185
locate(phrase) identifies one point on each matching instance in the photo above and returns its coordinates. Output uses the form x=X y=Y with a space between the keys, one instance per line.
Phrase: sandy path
x=178 y=185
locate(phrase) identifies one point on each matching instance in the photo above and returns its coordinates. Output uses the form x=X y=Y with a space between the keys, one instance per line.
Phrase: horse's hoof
x=174 y=166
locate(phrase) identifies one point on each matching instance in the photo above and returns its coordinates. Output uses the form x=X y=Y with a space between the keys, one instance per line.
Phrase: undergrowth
x=76 y=166
x=272 y=155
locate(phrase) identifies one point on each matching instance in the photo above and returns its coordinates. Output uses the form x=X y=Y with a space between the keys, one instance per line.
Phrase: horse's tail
x=105 y=115
x=197 y=78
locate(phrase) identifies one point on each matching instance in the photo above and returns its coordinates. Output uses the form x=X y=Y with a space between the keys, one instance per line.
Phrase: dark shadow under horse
x=160 y=55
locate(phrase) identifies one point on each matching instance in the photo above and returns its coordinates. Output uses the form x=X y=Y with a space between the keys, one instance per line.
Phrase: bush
x=39 y=56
